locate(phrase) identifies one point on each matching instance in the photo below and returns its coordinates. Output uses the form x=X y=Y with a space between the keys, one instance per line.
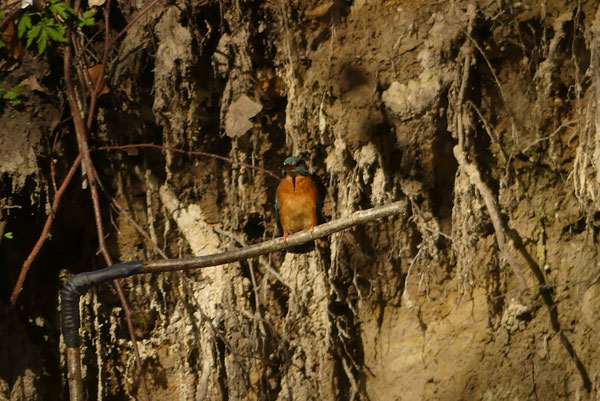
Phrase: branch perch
x=80 y=283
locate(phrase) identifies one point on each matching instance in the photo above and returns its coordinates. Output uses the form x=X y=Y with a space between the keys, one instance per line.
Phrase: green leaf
x=42 y=41
x=61 y=9
x=12 y=96
x=8 y=235
x=13 y=93
x=87 y=18
x=33 y=33
x=24 y=24
x=2 y=44
x=58 y=9
x=57 y=35
x=69 y=9
x=48 y=21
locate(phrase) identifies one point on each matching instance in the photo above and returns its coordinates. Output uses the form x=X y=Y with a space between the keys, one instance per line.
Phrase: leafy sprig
x=12 y=96
x=87 y=18
x=48 y=24
x=61 y=8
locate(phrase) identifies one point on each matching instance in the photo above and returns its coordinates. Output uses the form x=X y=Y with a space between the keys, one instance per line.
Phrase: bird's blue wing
x=277 y=211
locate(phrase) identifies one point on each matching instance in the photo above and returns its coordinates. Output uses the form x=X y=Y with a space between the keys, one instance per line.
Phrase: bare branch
x=277 y=244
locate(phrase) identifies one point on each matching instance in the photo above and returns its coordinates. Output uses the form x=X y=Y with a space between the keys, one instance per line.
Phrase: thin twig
x=189 y=152
x=11 y=15
x=566 y=124
x=133 y=21
x=10 y=5
x=99 y=84
x=489 y=130
x=44 y=234
x=509 y=111
x=52 y=161
x=83 y=74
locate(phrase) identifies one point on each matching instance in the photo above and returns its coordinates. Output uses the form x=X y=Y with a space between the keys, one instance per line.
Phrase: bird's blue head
x=294 y=166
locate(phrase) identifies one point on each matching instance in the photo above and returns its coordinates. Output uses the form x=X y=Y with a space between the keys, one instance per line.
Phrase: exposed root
x=506 y=236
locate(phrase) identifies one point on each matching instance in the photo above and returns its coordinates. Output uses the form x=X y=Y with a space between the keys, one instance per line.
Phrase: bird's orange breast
x=297 y=204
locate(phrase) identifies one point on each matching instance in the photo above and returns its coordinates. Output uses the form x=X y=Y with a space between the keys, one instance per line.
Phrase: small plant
x=12 y=96
x=49 y=24
x=87 y=18
x=43 y=25
x=8 y=235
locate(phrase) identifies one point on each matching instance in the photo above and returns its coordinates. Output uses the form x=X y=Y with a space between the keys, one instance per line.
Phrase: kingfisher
x=296 y=201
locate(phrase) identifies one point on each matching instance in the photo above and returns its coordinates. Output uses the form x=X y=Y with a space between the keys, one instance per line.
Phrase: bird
x=296 y=201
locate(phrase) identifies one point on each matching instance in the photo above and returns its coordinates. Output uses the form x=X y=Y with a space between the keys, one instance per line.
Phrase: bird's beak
x=289 y=169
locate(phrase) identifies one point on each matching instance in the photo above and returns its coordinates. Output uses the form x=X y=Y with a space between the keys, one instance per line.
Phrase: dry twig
x=44 y=234
x=188 y=152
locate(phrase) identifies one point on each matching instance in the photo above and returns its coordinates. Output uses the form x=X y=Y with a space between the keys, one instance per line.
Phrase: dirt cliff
x=484 y=116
